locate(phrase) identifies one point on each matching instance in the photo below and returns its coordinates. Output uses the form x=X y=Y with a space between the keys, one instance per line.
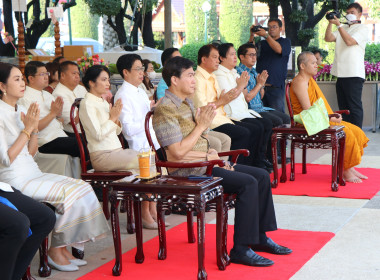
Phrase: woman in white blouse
x=78 y=212
x=101 y=125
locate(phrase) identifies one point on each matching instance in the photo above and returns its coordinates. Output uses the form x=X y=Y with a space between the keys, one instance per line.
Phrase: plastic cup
x=144 y=164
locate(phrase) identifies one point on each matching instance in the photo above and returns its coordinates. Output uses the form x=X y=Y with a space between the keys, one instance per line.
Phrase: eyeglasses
x=273 y=27
x=43 y=74
x=252 y=54
x=139 y=69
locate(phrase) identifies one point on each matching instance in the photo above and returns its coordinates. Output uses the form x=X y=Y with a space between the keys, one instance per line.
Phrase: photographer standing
x=273 y=56
x=348 y=65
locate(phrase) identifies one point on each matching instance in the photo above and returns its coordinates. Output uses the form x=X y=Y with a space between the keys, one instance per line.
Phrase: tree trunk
x=273 y=10
x=147 y=33
x=291 y=28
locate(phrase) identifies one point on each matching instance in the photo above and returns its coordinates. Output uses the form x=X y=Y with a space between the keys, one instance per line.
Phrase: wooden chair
x=228 y=199
x=96 y=178
x=330 y=138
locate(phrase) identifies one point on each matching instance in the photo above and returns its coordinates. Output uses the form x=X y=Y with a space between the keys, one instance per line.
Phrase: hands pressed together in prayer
x=115 y=111
x=31 y=118
x=205 y=115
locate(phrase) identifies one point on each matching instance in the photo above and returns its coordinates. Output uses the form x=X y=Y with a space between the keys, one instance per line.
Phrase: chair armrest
x=347 y=112
x=209 y=164
x=234 y=154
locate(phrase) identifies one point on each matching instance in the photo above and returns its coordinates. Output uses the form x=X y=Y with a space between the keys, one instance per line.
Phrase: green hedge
x=195 y=21
x=372 y=52
x=190 y=51
x=83 y=23
x=235 y=20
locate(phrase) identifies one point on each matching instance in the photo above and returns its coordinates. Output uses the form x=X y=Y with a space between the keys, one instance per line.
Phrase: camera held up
x=256 y=28
x=332 y=14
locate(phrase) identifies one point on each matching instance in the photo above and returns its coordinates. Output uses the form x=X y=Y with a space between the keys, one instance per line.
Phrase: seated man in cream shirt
x=237 y=109
x=69 y=90
x=51 y=138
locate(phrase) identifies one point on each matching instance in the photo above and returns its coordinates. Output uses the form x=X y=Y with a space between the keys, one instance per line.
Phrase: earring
x=5 y=93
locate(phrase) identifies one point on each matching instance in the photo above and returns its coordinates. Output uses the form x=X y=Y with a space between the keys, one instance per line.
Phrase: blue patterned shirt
x=255 y=104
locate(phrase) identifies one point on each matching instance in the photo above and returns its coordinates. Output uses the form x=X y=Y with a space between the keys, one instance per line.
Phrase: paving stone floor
x=354 y=253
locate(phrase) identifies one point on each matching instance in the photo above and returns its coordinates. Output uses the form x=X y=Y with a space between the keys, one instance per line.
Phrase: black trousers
x=276 y=117
x=274 y=97
x=349 y=95
x=240 y=139
x=61 y=145
x=16 y=248
x=254 y=210
x=263 y=128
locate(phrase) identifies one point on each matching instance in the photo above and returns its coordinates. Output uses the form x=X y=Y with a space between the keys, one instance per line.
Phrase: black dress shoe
x=271 y=247
x=78 y=254
x=287 y=160
x=267 y=163
x=249 y=258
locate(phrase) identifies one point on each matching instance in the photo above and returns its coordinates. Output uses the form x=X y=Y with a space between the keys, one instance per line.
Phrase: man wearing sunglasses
x=273 y=56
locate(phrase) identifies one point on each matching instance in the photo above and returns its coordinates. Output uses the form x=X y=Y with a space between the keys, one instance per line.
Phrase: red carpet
x=181 y=262
x=317 y=183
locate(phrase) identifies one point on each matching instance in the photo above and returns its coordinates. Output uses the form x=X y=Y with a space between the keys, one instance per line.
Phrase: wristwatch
x=266 y=35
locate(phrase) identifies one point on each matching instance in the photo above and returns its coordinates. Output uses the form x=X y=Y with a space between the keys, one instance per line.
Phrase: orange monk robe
x=356 y=140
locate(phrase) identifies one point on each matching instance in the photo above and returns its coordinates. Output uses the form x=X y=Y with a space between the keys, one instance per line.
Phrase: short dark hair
x=57 y=59
x=167 y=54
x=93 y=73
x=52 y=67
x=174 y=67
x=355 y=5
x=5 y=72
x=302 y=58
x=204 y=51
x=243 y=49
x=31 y=68
x=64 y=66
x=223 y=49
x=317 y=51
x=276 y=20
x=145 y=63
x=126 y=61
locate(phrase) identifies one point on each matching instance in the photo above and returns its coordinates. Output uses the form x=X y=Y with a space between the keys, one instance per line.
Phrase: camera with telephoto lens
x=256 y=28
x=332 y=14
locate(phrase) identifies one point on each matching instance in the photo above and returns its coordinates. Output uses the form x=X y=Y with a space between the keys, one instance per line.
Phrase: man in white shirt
x=136 y=103
x=237 y=109
x=350 y=42
x=51 y=139
x=69 y=89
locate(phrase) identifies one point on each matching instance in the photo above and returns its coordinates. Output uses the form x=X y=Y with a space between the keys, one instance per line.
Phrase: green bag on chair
x=314 y=119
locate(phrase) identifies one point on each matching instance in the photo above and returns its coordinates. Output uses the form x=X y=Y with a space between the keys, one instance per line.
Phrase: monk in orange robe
x=304 y=91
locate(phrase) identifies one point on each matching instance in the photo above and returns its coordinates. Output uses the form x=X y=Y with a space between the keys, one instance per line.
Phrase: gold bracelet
x=26 y=133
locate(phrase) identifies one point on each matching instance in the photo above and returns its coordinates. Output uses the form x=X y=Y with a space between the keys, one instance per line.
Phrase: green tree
x=300 y=18
x=83 y=23
x=235 y=20
x=116 y=12
x=195 y=22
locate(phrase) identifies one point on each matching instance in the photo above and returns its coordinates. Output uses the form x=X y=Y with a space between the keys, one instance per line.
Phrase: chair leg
x=224 y=234
x=334 y=167
x=342 y=145
x=162 y=253
x=27 y=275
x=283 y=177
x=274 y=183
x=105 y=202
x=292 y=162
x=190 y=227
x=116 y=270
x=130 y=223
x=44 y=270
x=304 y=171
